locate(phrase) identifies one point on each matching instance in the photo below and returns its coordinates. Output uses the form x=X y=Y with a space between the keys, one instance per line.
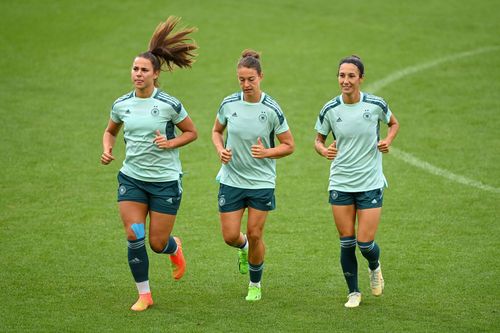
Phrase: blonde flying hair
x=168 y=49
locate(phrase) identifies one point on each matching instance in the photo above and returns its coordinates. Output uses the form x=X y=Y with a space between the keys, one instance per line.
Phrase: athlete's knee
x=231 y=239
x=135 y=231
x=254 y=236
x=157 y=244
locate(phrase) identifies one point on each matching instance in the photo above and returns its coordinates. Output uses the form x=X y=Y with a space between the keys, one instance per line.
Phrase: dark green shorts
x=161 y=197
x=232 y=198
x=362 y=200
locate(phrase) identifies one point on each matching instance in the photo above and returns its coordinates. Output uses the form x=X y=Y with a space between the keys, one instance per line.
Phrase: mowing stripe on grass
x=410 y=159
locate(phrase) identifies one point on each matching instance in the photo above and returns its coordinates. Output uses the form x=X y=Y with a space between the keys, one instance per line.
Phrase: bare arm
x=108 y=141
x=383 y=145
x=329 y=152
x=285 y=148
x=189 y=134
x=218 y=141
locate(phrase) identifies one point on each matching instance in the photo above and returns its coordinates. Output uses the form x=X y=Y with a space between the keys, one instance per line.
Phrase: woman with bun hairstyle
x=356 y=179
x=252 y=120
x=149 y=182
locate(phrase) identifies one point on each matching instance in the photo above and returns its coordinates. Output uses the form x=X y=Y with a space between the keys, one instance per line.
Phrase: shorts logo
x=222 y=201
x=374 y=201
x=155 y=111
x=170 y=200
x=263 y=117
x=335 y=195
x=122 y=189
x=367 y=115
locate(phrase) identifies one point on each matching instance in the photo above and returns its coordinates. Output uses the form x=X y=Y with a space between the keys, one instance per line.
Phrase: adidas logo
x=234 y=115
x=135 y=261
x=374 y=201
x=128 y=111
x=339 y=120
x=269 y=203
x=170 y=200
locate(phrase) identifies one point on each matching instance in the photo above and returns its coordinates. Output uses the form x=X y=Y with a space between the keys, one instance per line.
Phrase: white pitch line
x=410 y=159
x=377 y=85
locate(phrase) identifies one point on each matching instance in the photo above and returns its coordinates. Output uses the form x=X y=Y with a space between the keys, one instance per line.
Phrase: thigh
x=345 y=219
x=368 y=221
x=132 y=212
x=256 y=220
x=160 y=227
x=231 y=223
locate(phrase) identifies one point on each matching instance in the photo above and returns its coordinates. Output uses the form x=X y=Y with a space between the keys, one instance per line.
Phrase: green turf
x=63 y=252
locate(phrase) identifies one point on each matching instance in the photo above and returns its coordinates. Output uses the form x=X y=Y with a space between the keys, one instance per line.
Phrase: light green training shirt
x=358 y=165
x=141 y=118
x=245 y=122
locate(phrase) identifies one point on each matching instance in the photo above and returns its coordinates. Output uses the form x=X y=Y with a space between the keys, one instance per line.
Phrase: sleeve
x=180 y=113
x=323 y=123
x=280 y=123
x=115 y=115
x=384 y=113
x=221 y=115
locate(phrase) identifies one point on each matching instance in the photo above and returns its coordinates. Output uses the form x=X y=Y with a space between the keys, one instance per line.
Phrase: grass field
x=63 y=250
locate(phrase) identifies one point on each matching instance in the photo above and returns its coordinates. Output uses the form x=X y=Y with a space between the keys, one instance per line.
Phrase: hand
x=258 y=150
x=225 y=155
x=107 y=156
x=383 y=146
x=331 y=151
x=161 y=141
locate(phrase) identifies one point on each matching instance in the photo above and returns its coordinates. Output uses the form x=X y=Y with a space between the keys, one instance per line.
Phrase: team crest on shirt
x=263 y=117
x=222 y=201
x=155 y=111
x=367 y=115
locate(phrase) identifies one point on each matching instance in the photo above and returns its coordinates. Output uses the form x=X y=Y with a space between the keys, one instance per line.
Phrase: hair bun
x=250 y=53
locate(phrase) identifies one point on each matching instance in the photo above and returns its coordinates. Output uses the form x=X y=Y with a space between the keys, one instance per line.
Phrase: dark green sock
x=371 y=251
x=171 y=246
x=256 y=272
x=138 y=260
x=349 y=263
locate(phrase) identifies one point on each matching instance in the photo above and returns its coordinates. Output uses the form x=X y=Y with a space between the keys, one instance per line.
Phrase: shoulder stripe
x=230 y=99
x=328 y=106
x=376 y=101
x=123 y=98
x=269 y=102
x=166 y=98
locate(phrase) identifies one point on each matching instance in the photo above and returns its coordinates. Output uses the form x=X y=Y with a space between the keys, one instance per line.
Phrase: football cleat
x=178 y=261
x=254 y=293
x=145 y=301
x=243 y=261
x=353 y=300
x=376 y=281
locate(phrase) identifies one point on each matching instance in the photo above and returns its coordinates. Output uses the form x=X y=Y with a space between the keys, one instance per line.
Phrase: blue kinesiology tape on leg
x=138 y=229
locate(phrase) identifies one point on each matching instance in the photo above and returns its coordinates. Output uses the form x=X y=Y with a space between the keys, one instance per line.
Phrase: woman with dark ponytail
x=149 y=182
x=356 y=184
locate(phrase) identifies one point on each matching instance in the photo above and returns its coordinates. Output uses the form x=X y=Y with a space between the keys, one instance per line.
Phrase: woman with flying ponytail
x=149 y=182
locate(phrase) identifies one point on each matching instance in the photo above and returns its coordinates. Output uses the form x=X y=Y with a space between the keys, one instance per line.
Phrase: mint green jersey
x=141 y=117
x=355 y=127
x=245 y=122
